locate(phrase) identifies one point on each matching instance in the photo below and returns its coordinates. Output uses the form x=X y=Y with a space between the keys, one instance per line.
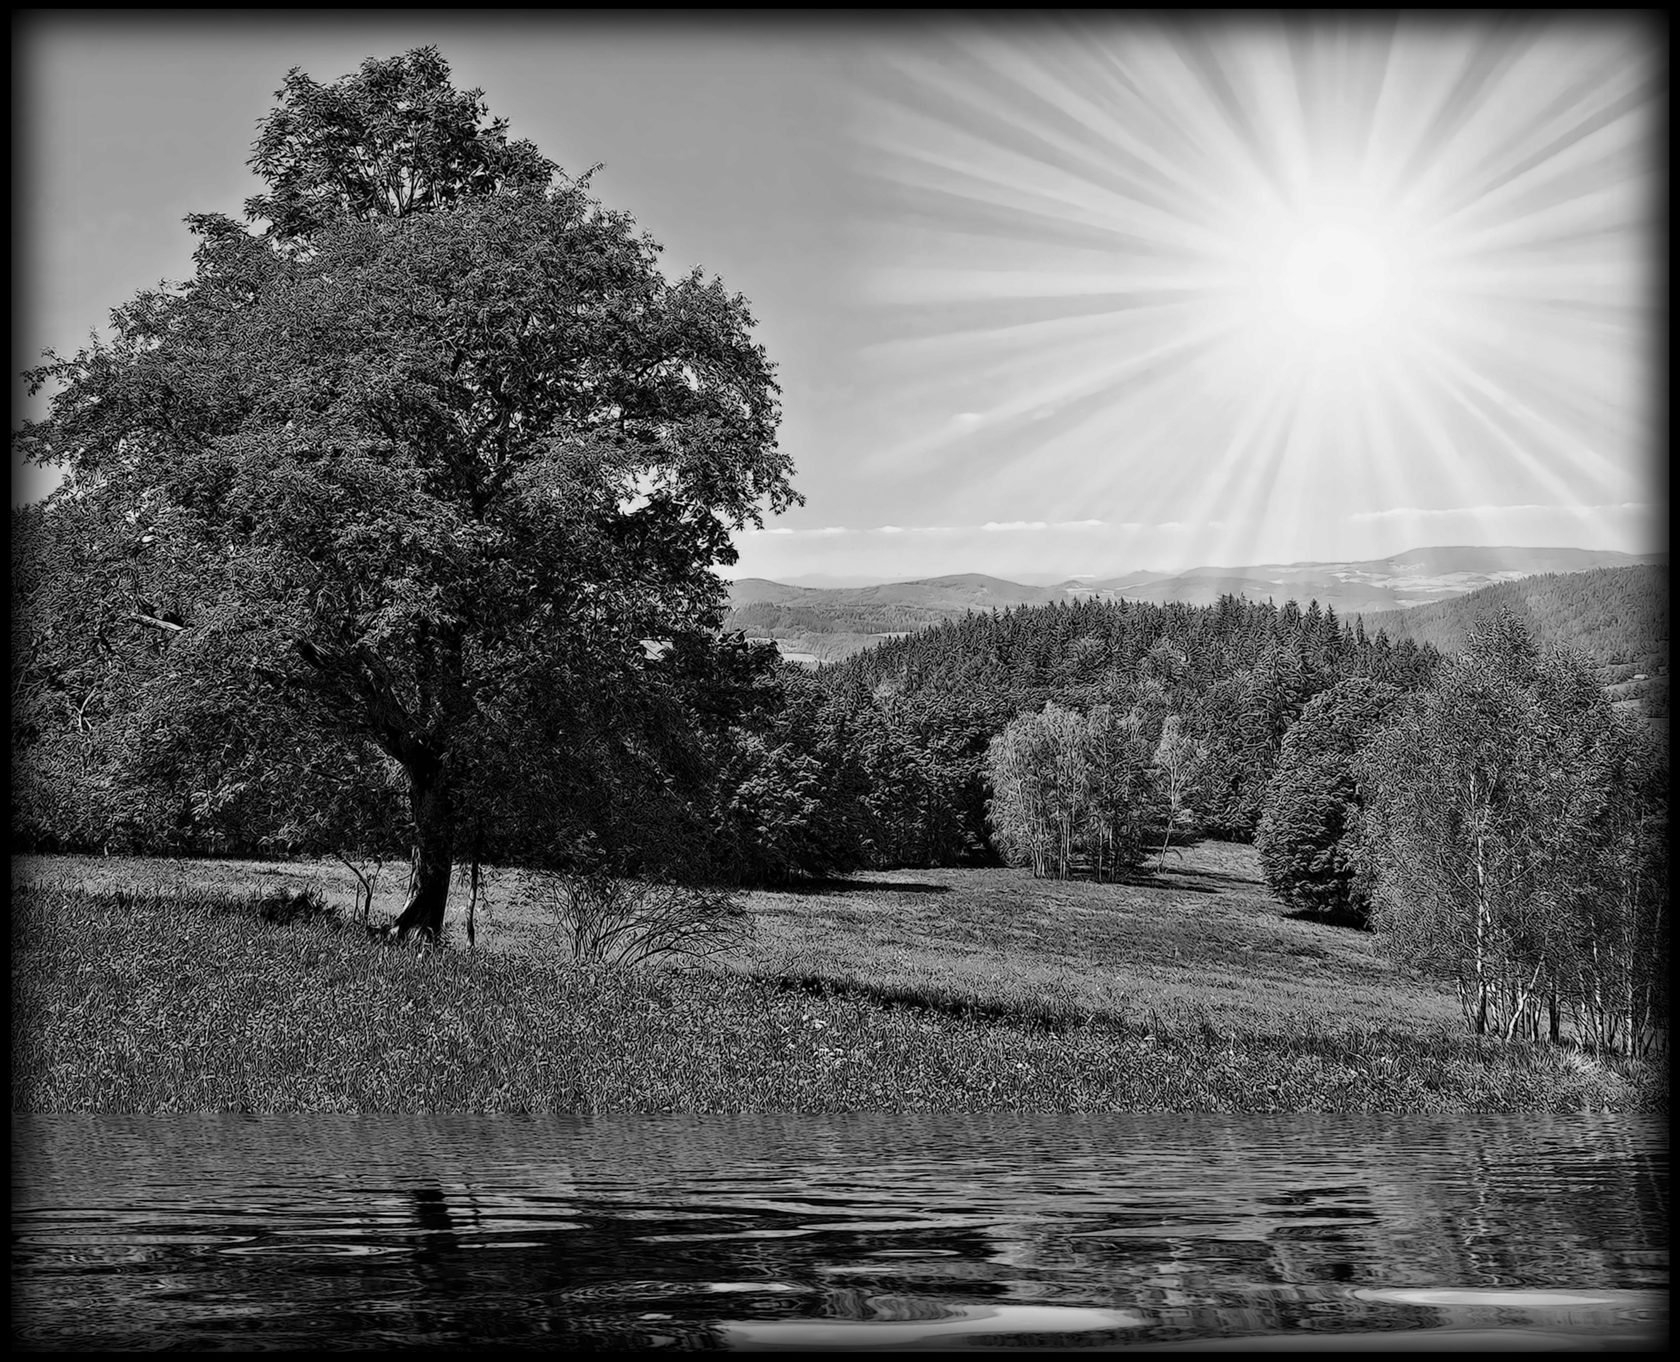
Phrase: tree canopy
x=439 y=463
x=1068 y=787
x=393 y=139
x=1310 y=837
x=1518 y=842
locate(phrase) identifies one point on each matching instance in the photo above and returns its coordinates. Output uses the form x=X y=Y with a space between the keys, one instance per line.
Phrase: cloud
x=1045 y=525
x=992 y=526
x=968 y=420
x=1439 y=512
x=1415 y=512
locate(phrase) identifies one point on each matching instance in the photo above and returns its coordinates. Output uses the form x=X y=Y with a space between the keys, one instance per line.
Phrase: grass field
x=153 y=986
x=1203 y=942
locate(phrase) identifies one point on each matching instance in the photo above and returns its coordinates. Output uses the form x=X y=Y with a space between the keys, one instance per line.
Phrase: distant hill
x=966 y=591
x=829 y=624
x=1404 y=581
x=1618 y=615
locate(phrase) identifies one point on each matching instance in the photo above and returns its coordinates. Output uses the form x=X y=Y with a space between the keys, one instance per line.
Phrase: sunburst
x=1272 y=280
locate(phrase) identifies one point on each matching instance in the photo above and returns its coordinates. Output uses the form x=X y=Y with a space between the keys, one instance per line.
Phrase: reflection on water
x=762 y=1232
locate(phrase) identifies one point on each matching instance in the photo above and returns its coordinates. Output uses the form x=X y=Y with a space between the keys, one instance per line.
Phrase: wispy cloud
x=1045 y=525
x=991 y=526
x=1447 y=512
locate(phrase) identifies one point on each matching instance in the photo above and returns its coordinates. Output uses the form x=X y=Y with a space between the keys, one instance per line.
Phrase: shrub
x=610 y=920
x=1310 y=837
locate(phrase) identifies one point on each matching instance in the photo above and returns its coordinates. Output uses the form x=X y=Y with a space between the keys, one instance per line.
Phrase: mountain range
x=812 y=624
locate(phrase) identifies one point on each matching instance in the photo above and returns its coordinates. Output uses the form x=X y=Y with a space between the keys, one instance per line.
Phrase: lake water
x=856 y=1232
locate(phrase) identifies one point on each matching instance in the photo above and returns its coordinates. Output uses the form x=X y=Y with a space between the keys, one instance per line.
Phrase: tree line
x=1506 y=829
x=1514 y=836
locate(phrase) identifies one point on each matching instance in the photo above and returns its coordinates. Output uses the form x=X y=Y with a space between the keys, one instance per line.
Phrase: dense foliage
x=1072 y=789
x=400 y=489
x=1223 y=683
x=1518 y=831
x=1310 y=837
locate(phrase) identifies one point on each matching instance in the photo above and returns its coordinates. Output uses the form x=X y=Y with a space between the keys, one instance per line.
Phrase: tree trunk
x=433 y=853
x=1483 y=918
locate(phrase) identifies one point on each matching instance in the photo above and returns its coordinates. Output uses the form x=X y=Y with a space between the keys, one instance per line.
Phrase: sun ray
x=1231 y=273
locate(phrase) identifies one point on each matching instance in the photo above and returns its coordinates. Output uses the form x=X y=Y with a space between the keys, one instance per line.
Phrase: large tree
x=436 y=457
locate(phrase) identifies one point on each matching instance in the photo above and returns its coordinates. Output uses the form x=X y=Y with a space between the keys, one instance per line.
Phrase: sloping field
x=154 y=987
x=1202 y=942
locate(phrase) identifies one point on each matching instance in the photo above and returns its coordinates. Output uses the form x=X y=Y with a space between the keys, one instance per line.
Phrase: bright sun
x=1262 y=284
x=1324 y=283
x=1335 y=278
x=1332 y=280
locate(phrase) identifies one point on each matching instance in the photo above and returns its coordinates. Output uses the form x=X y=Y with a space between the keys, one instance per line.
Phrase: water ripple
x=131 y=1233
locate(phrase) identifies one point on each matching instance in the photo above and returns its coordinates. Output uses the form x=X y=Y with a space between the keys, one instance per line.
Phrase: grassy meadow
x=156 y=985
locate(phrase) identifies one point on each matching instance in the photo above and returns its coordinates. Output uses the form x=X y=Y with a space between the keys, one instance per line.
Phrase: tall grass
x=131 y=1001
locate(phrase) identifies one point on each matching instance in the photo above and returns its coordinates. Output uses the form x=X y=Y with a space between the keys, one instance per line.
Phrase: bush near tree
x=1311 y=839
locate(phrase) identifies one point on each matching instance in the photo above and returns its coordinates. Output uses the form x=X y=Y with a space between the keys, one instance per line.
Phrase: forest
x=876 y=762
x=1617 y=615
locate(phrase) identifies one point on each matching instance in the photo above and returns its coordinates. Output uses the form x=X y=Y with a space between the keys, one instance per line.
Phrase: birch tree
x=1512 y=843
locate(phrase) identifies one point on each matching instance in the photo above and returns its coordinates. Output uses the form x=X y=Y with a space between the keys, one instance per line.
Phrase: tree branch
x=153 y=622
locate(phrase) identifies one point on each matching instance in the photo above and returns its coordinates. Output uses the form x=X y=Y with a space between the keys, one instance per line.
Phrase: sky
x=1073 y=296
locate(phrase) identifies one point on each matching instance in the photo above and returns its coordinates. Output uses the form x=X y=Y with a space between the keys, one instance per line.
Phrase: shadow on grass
x=1321 y=919
x=1146 y=879
x=1219 y=876
x=1046 y=1017
x=838 y=886
x=279 y=907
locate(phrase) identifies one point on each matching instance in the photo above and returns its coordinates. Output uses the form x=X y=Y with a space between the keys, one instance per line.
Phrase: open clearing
x=1202 y=942
x=155 y=986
